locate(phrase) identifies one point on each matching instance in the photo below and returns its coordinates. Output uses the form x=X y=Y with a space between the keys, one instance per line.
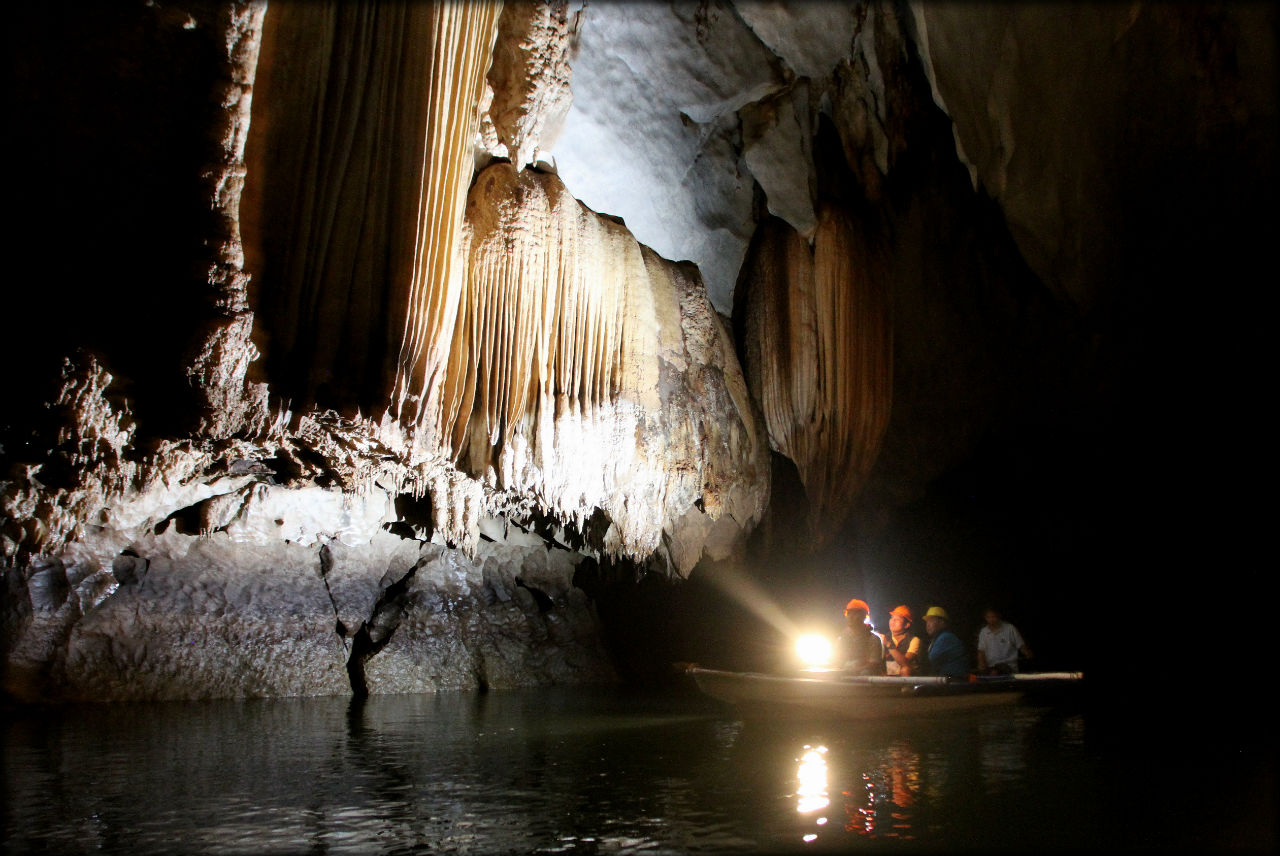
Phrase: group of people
x=863 y=651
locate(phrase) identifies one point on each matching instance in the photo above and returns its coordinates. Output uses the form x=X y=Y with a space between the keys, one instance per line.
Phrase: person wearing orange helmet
x=861 y=651
x=901 y=646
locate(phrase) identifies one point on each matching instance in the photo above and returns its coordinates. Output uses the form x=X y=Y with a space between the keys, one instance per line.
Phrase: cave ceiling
x=690 y=124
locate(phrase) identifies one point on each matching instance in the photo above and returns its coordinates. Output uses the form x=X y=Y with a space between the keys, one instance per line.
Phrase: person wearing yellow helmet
x=901 y=646
x=946 y=655
x=861 y=651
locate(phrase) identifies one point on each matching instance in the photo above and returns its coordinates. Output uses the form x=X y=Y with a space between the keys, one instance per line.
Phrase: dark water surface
x=594 y=771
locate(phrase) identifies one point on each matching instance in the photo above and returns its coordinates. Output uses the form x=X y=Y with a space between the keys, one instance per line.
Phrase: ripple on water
x=553 y=771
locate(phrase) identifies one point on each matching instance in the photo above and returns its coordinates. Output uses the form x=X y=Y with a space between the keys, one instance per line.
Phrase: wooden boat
x=830 y=693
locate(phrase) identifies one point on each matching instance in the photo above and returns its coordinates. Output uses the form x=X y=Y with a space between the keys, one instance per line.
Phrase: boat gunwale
x=801 y=690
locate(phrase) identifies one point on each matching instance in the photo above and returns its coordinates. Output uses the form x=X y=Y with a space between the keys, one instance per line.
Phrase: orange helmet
x=903 y=611
x=856 y=604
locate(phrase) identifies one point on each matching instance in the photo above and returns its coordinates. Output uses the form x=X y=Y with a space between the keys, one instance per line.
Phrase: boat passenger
x=901 y=646
x=861 y=651
x=999 y=645
x=946 y=656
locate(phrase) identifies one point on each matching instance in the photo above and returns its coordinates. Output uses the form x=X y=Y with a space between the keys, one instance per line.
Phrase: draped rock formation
x=358 y=171
x=574 y=361
x=818 y=349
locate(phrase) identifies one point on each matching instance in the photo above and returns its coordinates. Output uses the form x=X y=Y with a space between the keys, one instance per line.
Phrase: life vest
x=904 y=645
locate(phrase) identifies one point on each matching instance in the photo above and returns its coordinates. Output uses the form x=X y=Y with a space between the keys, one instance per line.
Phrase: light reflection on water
x=552 y=771
x=812 y=792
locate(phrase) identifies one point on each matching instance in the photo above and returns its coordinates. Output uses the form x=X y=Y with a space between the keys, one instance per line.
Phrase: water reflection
x=536 y=772
x=811 y=795
x=880 y=802
x=962 y=779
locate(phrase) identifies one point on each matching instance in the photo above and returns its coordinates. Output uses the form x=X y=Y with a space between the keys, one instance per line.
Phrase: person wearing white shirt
x=999 y=645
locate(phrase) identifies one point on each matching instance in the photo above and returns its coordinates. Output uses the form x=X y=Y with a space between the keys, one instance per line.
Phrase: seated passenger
x=946 y=656
x=901 y=646
x=860 y=650
x=999 y=645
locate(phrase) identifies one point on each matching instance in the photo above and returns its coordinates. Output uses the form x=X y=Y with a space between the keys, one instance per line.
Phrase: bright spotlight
x=813 y=650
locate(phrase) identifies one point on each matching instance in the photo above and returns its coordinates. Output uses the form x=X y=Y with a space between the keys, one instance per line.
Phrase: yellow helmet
x=937 y=612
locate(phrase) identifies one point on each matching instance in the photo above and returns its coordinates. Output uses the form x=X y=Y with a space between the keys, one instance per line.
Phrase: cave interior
x=1072 y=430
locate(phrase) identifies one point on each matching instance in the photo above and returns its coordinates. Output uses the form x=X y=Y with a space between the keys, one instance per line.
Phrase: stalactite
x=817 y=343
x=462 y=43
x=358 y=168
x=777 y=334
x=542 y=314
x=533 y=332
x=588 y=373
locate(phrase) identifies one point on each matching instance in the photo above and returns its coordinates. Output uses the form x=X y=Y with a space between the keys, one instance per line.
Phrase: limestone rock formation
x=530 y=79
x=818 y=347
x=524 y=363
x=1072 y=140
x=721 y=96
x=240 y=614
x=652 y=135
x=590 y=373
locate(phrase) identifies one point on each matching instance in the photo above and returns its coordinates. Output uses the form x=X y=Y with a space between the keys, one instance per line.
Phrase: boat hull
x=855 y=698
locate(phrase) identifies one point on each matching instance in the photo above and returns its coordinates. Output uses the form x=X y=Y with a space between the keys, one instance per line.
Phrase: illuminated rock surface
x=530 y=79
x=581 y=384
x=652 y=135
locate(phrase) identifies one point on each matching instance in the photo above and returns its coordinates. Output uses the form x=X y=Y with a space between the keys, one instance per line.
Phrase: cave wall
x=1134 y=163
x=126 y=124
x=1140 y=115
x=340 y=500
x=184 y=616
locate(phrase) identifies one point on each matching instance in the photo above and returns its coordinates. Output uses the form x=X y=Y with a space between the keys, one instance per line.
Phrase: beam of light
x=747 y=593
